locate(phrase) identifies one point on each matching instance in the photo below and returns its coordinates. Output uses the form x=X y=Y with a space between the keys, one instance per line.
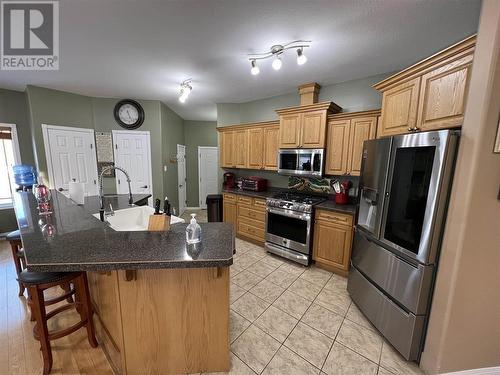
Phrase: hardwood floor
x=20 y=353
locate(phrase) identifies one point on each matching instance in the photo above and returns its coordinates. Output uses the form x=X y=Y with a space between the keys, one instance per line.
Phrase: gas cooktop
x=294 y=201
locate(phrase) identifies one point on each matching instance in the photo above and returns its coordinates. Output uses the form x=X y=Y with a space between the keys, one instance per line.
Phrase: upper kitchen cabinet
x=305 y=126
x=250 y=146
x=346 y=134
x=429 y=95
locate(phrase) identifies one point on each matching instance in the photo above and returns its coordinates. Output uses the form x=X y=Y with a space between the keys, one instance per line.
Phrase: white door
x=181 y=177
x=70 y=154
x=207 y=170
x=132 y=151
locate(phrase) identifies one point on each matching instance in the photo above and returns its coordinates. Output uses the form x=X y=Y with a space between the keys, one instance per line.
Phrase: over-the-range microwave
x=301 y=162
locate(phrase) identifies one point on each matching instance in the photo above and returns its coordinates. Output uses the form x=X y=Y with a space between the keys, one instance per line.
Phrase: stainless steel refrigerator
x=403 y=194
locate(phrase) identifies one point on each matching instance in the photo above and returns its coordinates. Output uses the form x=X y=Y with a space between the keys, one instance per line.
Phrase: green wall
x=196 y=133
x=13 y=110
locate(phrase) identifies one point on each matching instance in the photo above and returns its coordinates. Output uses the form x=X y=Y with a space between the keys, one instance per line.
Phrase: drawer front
x=251 y=231
x=229 y=197
x=245 y=200
x=259 y=204
x=247 y=212
x=338 y=218
x=252 y=222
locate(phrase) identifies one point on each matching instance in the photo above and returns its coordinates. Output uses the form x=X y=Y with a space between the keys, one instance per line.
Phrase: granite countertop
x=330 y=205
x=80 y=242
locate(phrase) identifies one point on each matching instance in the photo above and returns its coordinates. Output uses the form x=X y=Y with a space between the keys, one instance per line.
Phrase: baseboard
x=477 y=371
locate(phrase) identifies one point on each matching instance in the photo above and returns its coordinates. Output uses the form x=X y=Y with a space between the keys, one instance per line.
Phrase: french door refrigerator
x=403 y=193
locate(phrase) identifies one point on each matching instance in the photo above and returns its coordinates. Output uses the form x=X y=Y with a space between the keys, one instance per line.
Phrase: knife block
x=159 y=223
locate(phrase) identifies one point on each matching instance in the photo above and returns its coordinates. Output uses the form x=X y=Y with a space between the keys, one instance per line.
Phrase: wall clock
x=129 y=114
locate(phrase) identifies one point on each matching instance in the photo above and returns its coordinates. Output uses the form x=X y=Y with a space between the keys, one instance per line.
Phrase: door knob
x=144 y=187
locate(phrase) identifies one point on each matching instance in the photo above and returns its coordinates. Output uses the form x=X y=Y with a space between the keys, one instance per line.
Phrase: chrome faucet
x=101 y=193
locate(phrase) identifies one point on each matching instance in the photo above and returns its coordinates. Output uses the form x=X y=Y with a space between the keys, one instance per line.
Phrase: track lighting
x=301 y=58
x=255 y=69
x=276 y=51
x=185 y=90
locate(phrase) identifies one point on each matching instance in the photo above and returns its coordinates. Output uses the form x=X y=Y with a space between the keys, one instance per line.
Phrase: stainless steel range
x=288 y=225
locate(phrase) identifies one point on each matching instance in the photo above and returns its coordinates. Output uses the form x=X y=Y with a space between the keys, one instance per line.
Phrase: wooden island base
x=163 y=321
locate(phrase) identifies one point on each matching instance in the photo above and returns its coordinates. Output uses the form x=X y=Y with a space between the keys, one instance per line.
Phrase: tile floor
x=288 y=319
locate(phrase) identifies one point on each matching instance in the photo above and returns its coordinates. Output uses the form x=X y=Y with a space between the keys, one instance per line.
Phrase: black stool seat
x=12 y=236
x=31 y=278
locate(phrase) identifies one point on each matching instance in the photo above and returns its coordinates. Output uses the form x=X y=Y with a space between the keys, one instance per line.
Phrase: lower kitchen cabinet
x=229 y=212
x=247 y=214
x=332 y=241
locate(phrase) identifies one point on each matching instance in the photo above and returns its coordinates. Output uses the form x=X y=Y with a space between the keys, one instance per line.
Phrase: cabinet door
x=255 y=148
x=290 y=130
x=399 y=108
x=313 y=129
x=332 y=245
x=229 y=213
x=240 y=147
x=338 y=147
x=361 y=130
x=443 y=95
x=227 y=149
x=271 y=147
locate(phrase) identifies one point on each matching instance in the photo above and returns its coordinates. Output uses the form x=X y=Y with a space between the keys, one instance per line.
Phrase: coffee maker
x=229 y=180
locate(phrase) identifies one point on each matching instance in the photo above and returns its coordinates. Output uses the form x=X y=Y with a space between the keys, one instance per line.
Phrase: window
x=9 y=156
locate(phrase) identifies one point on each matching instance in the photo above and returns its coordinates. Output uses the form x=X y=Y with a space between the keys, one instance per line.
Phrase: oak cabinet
x=250 y=146
x=305 y=126
x=247 y=214
x=346 y=134
x=429 y=95
x=229 y=208
x=332 y=241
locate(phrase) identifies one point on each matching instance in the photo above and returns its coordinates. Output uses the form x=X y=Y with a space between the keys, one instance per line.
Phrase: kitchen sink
x=134 y=219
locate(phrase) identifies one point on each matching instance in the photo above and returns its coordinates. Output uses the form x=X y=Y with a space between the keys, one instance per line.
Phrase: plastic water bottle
x=193 y=231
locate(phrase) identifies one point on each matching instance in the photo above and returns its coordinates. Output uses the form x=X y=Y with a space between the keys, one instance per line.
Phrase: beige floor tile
x=250 y=306
x=316 y=276
x=237 y=368
x=292 y=304
x=337 y=282
x=323 y=320
x=336 y=301
x=383 y=371
x=245 y=260
x=286 y=362
x=309 y=344
x=246 y=280
x=355 y=315
x=281 y=278
x=391 y=360
x=261 y=268
x=273 y=260
x=267 y=291
x=237 y=324
x=276 y=323
x=295 y=269
x=305 y=289
x=235 y=292
x=343 y=361
x=363 y=341
x=255 y=348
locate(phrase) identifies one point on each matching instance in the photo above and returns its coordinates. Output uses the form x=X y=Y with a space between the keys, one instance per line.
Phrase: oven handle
x=288 y=213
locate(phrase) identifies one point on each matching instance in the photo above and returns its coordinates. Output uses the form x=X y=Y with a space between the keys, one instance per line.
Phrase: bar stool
x=17 y=256
x=37 y=283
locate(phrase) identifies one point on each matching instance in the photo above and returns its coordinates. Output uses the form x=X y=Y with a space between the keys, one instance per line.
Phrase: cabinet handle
x=410 y=129
x=416 y=128
x=130 y=275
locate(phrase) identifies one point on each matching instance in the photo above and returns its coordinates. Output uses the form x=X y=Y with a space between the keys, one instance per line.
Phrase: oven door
x=416 y=193
x=288 y=229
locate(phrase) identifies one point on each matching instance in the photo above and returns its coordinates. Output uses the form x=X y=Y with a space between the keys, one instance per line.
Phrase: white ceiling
x=145 y=48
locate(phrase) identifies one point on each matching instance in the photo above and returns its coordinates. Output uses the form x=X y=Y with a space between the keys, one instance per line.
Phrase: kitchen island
x=162 y=307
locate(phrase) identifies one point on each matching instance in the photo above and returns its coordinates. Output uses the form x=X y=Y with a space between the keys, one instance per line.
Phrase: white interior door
x=207 y=170
x=70 y=154
x=181 y=175
x=132 y=151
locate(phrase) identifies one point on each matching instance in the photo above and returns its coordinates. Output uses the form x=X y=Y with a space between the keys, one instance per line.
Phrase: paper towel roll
x=77 y=192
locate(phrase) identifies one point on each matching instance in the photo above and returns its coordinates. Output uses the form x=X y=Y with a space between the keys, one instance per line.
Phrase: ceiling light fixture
x=276 y=51
x=185 y=90
x=255 y=69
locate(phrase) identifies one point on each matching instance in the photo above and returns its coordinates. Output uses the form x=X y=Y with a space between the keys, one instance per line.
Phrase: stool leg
x=17 y=264
x=38 y=309
x=67 y=288
x=83 y=297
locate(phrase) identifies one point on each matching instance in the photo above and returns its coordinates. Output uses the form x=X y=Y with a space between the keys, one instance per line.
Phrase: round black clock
x=129 y=114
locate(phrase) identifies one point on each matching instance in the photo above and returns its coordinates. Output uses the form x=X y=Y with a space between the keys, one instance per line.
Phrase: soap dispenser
x=193 y=231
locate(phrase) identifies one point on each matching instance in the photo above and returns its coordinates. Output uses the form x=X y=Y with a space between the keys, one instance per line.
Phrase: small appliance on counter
x=254 y=183
x=341 y=191
x=229 y=179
